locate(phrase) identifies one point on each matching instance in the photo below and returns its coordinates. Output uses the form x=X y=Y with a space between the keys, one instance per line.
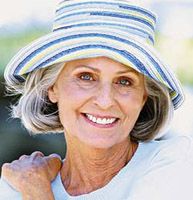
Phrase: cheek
x=74 y=94
x=131 y=110
x=133 y=104
x=71 y=98
x=70 y=91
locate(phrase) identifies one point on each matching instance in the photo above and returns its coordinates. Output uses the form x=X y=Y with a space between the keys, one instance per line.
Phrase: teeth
x=100 y=120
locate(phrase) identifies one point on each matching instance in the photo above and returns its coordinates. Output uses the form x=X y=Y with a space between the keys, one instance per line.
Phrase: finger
x=55 y=164
x=55 y=155
x=6 y=172
x=5 y=166
x=54 y=161
x=37 y=153
x=23 y=157
x=14 y=163
x=4 y=169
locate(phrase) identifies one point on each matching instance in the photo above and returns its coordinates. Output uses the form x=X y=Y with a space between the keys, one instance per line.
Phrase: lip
x=101 y=125
x=101 y=116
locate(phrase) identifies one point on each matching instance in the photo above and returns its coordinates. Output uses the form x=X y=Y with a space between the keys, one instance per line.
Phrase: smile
x=101 y=120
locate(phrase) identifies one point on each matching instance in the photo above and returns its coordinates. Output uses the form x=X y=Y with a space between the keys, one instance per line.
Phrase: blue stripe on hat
x=120 y=5
x=124 y=53
x=145 y=12
x=108 y=24
x=109 y=14
x=37 y=51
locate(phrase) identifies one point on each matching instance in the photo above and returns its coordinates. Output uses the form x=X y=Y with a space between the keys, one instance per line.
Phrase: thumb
x=54 y=162
x=6 y=172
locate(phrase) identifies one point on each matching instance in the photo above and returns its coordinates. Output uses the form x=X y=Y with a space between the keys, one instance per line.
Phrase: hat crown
x=114 y=15
x=117 y=29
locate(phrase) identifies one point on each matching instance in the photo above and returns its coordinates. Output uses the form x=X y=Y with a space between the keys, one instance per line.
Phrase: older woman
x=98 y=79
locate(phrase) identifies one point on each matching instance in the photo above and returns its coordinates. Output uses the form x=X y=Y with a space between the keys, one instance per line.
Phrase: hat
x=117 y=29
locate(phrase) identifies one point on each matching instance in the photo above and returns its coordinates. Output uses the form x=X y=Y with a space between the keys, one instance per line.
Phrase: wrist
x=38 y=193
x=47 y=196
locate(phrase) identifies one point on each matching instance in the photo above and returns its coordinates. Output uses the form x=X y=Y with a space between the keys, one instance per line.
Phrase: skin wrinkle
x=95 y=155
x=94 y=168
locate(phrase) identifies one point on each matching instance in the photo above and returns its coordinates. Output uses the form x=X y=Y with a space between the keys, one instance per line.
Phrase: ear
x=53 y=94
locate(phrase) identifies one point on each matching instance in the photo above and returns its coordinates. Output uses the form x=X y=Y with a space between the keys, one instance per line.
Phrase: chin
x=102 y=144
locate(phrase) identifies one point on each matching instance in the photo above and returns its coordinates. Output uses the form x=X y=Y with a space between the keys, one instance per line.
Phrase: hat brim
x=64 y=46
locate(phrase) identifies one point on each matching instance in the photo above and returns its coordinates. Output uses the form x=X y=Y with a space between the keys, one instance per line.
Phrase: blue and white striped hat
x=117 y=29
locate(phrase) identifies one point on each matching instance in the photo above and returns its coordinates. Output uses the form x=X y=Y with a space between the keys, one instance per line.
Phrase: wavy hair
x=39 y=115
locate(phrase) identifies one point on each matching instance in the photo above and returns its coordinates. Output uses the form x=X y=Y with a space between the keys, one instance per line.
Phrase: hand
x=32 y=175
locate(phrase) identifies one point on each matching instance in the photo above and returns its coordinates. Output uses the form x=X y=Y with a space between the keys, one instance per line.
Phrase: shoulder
x=173 y=155
x=172 y=149
x=7 y=192
x=169 y=174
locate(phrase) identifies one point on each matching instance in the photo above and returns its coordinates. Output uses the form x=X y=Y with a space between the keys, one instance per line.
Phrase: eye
x=124 y=81
x=86 y=76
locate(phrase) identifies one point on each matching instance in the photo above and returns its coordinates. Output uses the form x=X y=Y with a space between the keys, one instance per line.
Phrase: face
x=99 y=100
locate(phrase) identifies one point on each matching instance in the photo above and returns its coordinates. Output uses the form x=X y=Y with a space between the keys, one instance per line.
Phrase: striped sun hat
x=117 y=29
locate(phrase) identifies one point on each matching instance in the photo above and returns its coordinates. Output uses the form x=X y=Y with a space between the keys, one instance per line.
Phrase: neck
x=86 y=168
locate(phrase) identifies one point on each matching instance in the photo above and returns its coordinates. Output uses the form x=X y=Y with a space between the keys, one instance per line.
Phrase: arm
x=32 y=175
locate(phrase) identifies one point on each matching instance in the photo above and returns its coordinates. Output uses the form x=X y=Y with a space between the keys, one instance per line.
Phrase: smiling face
x=99 y=100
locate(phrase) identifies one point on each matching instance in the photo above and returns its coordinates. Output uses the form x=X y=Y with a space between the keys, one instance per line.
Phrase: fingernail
x=55 y=155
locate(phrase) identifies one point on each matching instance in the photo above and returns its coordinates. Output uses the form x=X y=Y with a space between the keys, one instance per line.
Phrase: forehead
x=99 y=64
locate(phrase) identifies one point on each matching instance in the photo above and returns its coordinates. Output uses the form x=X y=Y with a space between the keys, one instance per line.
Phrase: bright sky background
x=19 y=11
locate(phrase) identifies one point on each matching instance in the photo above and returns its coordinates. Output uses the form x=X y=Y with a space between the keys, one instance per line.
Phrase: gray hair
x=156 y=114
x=39 y=115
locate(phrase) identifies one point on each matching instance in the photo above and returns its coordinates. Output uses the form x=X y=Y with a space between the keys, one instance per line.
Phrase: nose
x=104 y=97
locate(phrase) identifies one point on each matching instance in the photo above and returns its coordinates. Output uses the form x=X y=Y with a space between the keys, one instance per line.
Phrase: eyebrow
x=130 y=70
x=85 y=66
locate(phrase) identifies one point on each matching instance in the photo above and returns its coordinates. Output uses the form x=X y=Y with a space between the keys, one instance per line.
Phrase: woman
x=98 y=79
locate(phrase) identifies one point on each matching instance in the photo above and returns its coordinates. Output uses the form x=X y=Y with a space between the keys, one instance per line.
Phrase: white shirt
x=159 y=170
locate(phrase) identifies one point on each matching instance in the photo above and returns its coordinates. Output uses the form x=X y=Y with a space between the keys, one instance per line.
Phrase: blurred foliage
x=178 y=53
x=11 y=43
